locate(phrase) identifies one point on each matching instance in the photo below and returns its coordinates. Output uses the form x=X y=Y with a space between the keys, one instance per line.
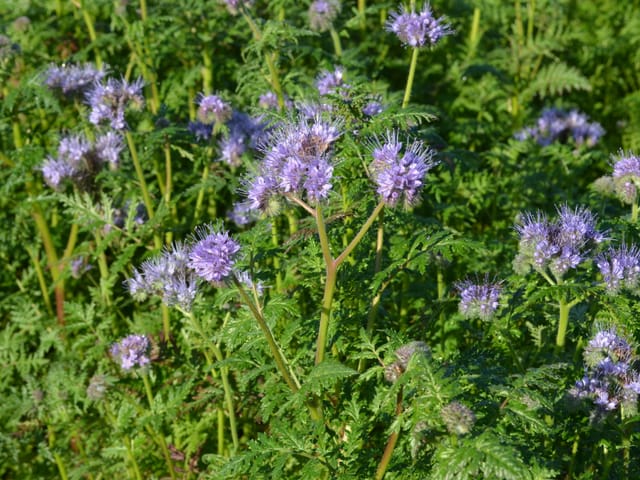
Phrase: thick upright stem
x=276 y=352
x=563 y=322
x=412 y=73
x=337 y=45
x=391 y=443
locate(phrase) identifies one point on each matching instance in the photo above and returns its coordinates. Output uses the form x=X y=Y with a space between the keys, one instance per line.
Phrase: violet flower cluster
x=416 y=29
x=620 y=268
x=109 y=101
x=478 y=300
x=166 y=276
x=79 y=160
x=322 y=13
x=625 y=179
x=400 y=176
x=332 y=82
x=556 y=246
x=297 y=162
x=235 y=6
x=213 y=109
x=132 y=351
x=559 y=125
x=174 y=274
x=610 y=379
x=73 y=79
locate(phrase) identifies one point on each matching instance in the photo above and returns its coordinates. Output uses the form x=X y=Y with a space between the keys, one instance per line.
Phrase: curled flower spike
x=322 y=13
x=458 y=418
x=132 y=351
x=557 y=246
x=331 y=82
x=108 y=101
x=626 y=177
x=73 y=79
x=479 y=300
x=557 y=125
x=611 y=378
x=212 y=109
x=296 y=162
x=213 y=255
x=167 y=276
x=620 y=268
x=400 y=177
x=416 y=29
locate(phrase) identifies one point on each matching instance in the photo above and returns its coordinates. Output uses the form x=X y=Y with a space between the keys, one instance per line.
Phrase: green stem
x=474 y=34
x=337 y=46
x=146 y=198
x=361 y=233
x=563 y=322
x=331 y=267
x=270 y=60
x=391 y=443
x=207 y=75
x=276 y=260
x=200 y=198
x=166 y=322
x=159 y=436
x=41 y=280
x=412 y=72
x=276 y=352
x=442 y=317
x=104 y=270
x=634 y=212
x=61 y=468
x=88 y=21
x=362 y=5
x=224 y=373
x=373 y=309
x=220 y=431
x=143 y=10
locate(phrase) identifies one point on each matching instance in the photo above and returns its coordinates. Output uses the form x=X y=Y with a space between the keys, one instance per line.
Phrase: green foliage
x=314 y=368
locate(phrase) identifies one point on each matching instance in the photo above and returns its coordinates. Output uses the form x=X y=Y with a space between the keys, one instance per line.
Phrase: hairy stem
x=391 y=443
x=412 y=73
x=337 y=46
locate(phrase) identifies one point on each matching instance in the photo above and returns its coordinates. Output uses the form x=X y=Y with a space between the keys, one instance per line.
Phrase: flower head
x=235 y=6
x=626 y=177
x=167 y=276
x=331 y=82
x=109 y=101
x=132 y=351
x=557 y=246
x=73 y=79
x=212 y=109
x=479 y=300
x=213 y=255
x=400 y=177
x=296 y=162
x=620 y=268
x=610 y=379
x=555 y=124
x=322 y=13
x=458 y=418
x=416 y=29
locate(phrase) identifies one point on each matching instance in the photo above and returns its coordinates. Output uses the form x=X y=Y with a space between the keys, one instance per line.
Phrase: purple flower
x=213 y=255
x=231 y=149
x=415 y=29
x=626 y=177
x=202 y=131
x=479 y=300
x=55 y=171
x=73 y=79
x=620 y=268
x=399 y=178
x=108 y=148
x=132 y=351
x=557 y=246
x=610 y=379
x=79 y=161
x=373 y=108
x=322 y=13
x=296 y=162
x=167 y=276
x=556 y=124
x=331 y=82
x=212 y=109
x=242 y=214
x=234 y=6
x=108 y=101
